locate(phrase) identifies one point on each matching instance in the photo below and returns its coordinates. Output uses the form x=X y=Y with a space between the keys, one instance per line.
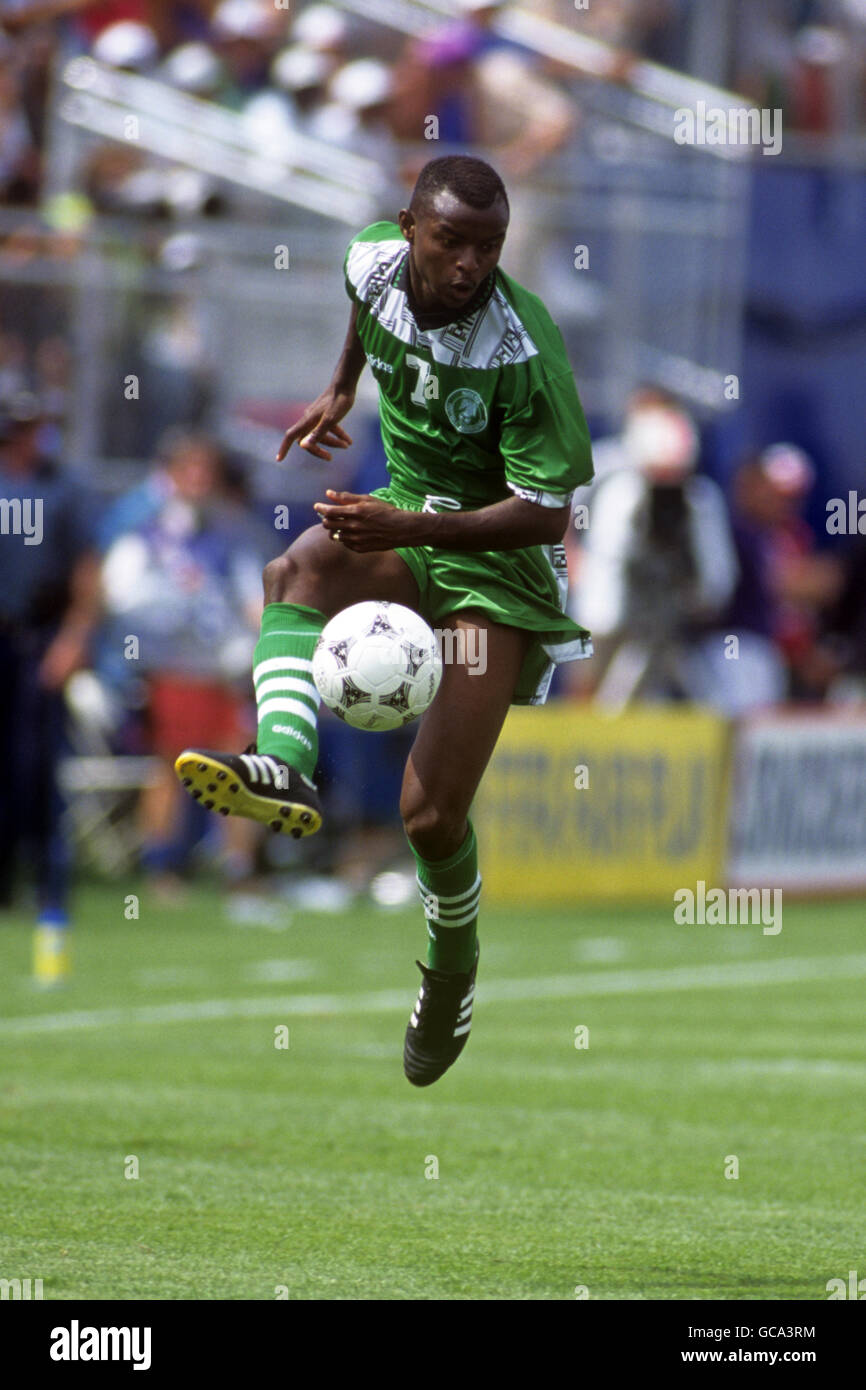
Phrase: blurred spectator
x=184 y=581
x=194 y=68
x=357 y=116
x=326 y=31
x=91 y=18
x=176 y=368
x=128 y=46
x=435 y=74
x=483 y=91
x=48 y=610
x=628 y=448
x=807 y=58
x=784 y=583
x=13 y=365
x=844 y=638
x=247 y=34
x=179 y=21
x=523 y=118
x=301 y=75
x=826 y=78
x=658 y=563
x=18 y=159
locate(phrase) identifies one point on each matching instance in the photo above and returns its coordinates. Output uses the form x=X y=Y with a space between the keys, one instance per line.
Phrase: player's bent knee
x=278 y=578
x=297 y=575
x=434 y=833
x=312 y=572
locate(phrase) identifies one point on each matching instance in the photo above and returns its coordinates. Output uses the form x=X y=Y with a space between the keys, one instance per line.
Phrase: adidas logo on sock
x=292 y=733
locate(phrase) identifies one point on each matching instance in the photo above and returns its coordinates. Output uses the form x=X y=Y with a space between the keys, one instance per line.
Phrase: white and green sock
x=450 y=893
x=286 y=695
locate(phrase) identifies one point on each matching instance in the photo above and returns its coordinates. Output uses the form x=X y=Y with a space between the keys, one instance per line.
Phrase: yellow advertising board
x=578 y=804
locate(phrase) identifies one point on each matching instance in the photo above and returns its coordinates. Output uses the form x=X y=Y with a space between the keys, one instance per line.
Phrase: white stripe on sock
x=287 y=707
x=456 y=921
x=458 y=908
x=446 y=898
x=286 y=683
x=455 y=916
x=281 y=663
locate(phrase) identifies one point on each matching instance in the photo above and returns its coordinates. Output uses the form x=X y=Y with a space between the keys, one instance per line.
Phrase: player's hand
x=318 y=429
x=363 y=523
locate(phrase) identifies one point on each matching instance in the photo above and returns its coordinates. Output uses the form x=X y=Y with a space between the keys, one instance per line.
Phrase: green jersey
x=474 y=409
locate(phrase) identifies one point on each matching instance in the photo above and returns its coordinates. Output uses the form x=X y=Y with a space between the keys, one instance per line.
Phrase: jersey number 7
x=427 y=385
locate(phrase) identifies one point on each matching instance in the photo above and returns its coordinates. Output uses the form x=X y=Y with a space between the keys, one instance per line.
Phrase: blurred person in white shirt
x=657 y=564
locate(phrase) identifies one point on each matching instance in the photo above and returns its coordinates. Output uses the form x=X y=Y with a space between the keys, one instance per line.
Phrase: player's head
x=455 y=225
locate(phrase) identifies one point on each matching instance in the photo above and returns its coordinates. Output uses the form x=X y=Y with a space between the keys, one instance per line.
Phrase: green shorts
x=518 y=588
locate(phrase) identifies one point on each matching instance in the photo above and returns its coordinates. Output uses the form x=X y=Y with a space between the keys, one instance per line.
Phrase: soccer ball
x=377 y=665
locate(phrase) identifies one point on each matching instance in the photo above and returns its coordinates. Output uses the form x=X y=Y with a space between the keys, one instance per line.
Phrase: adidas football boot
x=256 y=785
x=440 y=1023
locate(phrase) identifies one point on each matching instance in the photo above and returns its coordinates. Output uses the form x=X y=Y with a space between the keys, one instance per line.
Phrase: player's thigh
x=321 y=573
x=459 y=732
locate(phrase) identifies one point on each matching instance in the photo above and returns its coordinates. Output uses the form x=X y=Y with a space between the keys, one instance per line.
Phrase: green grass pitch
x=308 y=1169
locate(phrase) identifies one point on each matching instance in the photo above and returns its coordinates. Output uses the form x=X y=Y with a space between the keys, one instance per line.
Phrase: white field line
x=782 y=1068
x=733 y=976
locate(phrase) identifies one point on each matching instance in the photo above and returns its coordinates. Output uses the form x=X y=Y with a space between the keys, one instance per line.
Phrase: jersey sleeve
x=545 y=443
x=349 y=260
x=362 y=254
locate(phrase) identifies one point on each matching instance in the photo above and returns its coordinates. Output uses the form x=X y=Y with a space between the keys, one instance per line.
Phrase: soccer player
x=485 y=441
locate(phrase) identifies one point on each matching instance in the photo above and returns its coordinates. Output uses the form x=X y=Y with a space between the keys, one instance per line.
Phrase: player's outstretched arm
x=366 y=523
x=319 y=429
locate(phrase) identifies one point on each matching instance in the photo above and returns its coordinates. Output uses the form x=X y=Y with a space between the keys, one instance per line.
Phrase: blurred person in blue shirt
x=182 y=584
x=49 y=607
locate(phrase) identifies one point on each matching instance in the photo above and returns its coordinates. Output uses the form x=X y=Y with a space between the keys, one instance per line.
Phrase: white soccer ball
x=377 y=665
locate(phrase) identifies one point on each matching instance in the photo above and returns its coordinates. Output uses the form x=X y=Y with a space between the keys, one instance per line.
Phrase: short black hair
x=469 y=179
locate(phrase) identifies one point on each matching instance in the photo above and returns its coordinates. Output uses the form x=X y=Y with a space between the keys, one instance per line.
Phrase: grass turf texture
x=305 y=1167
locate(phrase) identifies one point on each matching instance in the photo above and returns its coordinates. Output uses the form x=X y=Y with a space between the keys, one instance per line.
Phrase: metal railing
x=141 y=111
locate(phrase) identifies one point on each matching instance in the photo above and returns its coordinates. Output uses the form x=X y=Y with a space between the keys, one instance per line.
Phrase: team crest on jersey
x=466 y=411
